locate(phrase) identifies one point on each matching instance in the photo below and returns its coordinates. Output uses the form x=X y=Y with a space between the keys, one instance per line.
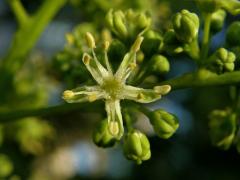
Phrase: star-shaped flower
x=111 y=86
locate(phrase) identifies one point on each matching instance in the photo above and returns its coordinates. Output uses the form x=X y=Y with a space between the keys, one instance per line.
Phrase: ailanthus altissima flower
x=112 y=86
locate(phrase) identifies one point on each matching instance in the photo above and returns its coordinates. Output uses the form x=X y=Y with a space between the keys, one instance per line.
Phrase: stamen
x=137 y=44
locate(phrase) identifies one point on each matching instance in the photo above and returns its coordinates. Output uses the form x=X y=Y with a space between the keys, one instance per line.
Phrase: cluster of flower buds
x=128 y=24
x=222 y=61
x=223 y=127
x=210 y=6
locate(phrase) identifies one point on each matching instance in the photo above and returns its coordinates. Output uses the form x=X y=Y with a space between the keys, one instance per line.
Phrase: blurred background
x=61 y=148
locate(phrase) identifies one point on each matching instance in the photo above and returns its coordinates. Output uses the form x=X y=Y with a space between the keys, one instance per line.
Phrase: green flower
x=112 y=86
x=165 y=124
x=101 y=136
x=222 y=128
x=136 y=147
x=186 y=25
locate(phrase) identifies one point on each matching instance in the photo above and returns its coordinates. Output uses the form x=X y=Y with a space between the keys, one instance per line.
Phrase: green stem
x=10 y=116
x=193 y=50
x=206 y=36
x=19 y=11
x=203 y=78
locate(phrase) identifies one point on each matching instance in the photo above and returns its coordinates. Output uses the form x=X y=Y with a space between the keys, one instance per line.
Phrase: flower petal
x=114 y=117
x=141 y=95
x=97 y=71
x=83 y=94
x=129 y=61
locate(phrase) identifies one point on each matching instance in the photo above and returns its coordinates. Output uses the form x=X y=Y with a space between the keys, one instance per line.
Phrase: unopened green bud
x=118 y=21
x=109 y=18
x=165 y=124
x=143 y=21
x=223 y=61
x=159 y=64
x=101 y=135
x=222 y=128
x=136 y=146
x=217 y=20
x=233 y=34
x=186 y=25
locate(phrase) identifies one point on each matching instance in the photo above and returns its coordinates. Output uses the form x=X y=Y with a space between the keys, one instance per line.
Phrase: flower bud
x=143 y=21
x=222 y=61
x=101 y=135
x=222 y=128
x=233 y=34
x=136 y=146
x=118 y=21
x=186 y=25
x=217 y=20
x=165 y=124
x=159 y=64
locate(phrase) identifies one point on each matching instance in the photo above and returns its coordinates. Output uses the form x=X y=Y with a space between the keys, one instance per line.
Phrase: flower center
x=112 y=87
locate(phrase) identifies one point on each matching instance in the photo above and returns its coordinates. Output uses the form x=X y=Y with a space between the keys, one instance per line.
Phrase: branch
x=6 y=117
x=26 y=37
x=19 y=11
x=203 y=78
